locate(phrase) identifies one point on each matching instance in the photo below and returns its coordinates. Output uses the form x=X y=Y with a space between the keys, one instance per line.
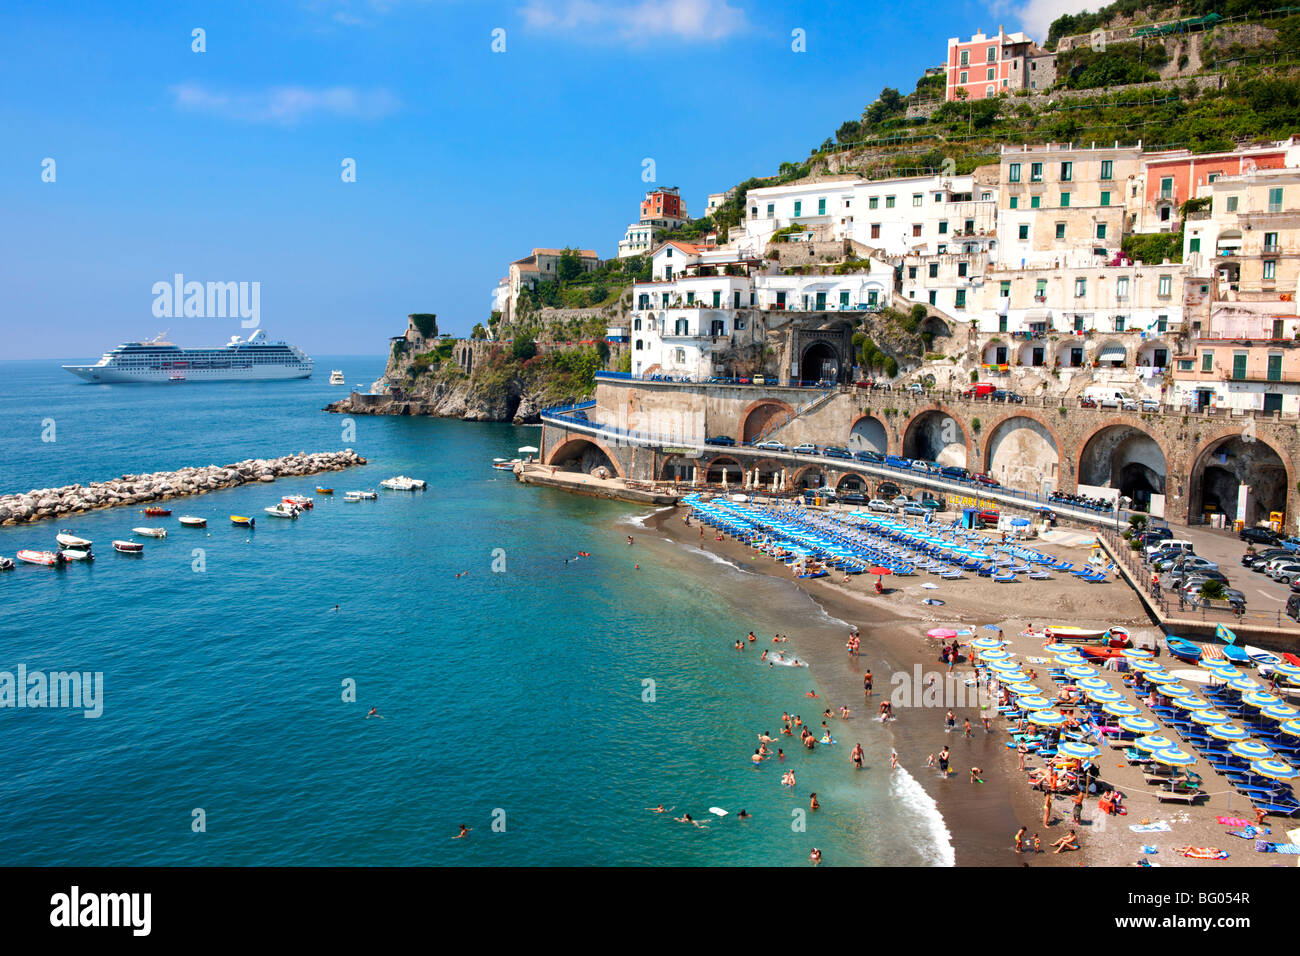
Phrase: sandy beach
x=983 y=817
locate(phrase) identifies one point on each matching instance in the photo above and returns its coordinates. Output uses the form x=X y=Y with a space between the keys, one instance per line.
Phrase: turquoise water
x=511 y=695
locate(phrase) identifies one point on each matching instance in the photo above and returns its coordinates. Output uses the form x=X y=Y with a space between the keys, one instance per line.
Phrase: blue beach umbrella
x=1003 y=667
x=1022 y=687
x=1154 y=742
x=1047 y=718
x=1280 y=712
x=1243 y=684
x=1122 y=708
x=987 y=643
x=1290 y=727
x=1261 y=700
x=1072 y=659
x=1177 y=690
x=1229 y=732
x=1139 y=725
x=1208 y=717
x=1193 y=704
x=1073 y=748
x=1147 y=667
x=1285 y=669
x=1104 y=695
x=1173 y=757
x=1161 y=678
x=1034 y=702
x=1080 y=672
x=996 y=654
x=1251 y=750
x=1135 y=653
x=1275 y=769
x=1019 y=522
x=991 y=627
x=1091 y=681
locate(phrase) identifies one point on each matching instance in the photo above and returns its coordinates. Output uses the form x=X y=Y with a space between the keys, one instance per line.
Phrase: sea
x=532 y=676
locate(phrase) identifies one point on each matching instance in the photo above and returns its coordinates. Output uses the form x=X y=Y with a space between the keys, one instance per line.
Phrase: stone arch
x=805 y=476
x=678 y=467
x=1023 y=451
x=760 y=416
x=735 y=471
x=926 y=436
x=1213 y=479
x=868 y=433
x=1120 y=454
x=767 y=470
x=820 y=360
x=935 y=326
x=581 y=453
x=889 y=488
x=851 y=481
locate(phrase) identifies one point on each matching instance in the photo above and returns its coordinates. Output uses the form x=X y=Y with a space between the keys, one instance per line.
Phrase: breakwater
x=44 y=503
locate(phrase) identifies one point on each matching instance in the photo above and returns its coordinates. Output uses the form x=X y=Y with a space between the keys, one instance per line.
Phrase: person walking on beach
x=1021 y=750
x=1047 y=809
x=943 y=761
x=1038 y=844
x=866 y=684
x=950 y=722
x=893 y=760
x=1020 y=840
x=856 y=756
x=966 y=728
x=1078 y=807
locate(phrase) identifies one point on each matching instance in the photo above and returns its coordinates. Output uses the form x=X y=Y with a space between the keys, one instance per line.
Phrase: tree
x=569 y=266
x=478 y=331
x=523 y=348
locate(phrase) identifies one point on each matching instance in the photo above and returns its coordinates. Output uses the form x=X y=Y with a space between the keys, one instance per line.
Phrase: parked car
x=1153 y=535
x=1149 y=405
x=807 y=448
x=988 y=517
x=901 y=500
x=924 y=467
x=1005 y=395
x=870 y=457
x=1285 y=572
x=1259 y=536
x=1271 y=567
x=1178 y=577
x=832 y=451
x=987 y=480
x=954 y=472
x=916 y=388
x=852 y=498
x=720 y=440
x=1250 y=557
x=771 y=445
x=1196 y=580
x=931 y=503
x=876 y=504
x=897 y=461
x=979 y=390
x=1291 y=544
x=1293 y=607
x=1188 y=562
x=1231 y=596
x=915 y=509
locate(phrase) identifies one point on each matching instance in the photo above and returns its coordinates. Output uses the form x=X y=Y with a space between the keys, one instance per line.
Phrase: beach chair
x=1180 y=796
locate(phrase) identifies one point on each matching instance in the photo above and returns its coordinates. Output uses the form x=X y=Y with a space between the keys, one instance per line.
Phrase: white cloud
x=286 y=104
x=689 y=20
x=1036 y=16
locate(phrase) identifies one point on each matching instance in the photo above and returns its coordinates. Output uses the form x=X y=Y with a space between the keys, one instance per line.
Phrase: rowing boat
x=242 y=521
x=1183 y=649
x=324 y=491
x=157 y=512
x=189 y=521
x=67 y=539
x=1081 y=635
x=150 y=532
x=128 y=547
x=1099 y=652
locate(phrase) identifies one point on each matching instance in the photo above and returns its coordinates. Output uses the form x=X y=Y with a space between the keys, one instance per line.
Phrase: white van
x=1169 y=544
x=1107 y=396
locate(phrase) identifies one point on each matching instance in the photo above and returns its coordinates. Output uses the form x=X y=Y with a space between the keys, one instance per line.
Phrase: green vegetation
x=1213 y=590
x=1154 y=247
x=1084 y=68
x=523 y=348
x=426 y=323
x=478 y=332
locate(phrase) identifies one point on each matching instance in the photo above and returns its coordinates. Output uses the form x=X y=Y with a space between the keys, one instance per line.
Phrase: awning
x=1112 y=353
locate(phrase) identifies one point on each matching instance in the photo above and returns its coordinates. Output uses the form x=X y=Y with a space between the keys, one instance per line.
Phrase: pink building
x=985 y=66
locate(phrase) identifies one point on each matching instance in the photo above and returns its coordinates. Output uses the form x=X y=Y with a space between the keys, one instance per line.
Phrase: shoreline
x=982 y=818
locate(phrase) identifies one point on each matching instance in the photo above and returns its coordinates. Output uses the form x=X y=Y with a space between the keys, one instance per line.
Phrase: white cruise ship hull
x=108 y=375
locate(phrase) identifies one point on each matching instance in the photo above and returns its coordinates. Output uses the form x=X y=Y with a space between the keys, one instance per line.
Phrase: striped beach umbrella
x=1080 y=671
x=1135 y=653
x=1047 y=718
x=1260 y=700
x=1071 y=659
x=1022 y=687
x=1251 y=750
x=1122 y=708
x=1229 y=732
x=986 y=643
x=1243 y=684
x=996 y=654
x=1193 y=704
x=1285 y=669
x=1208 y=717
x=1275 y=769
x=1139 y=725
x=1104 y=695
x=1013 y=676
x=1147 y=667
x=1003 y=667
x=1173 y=757
x=1214 y=664
x=1280 y=712
x=1177 y=690
x=1290 y=727
x=1073 y=748
x=1034 y=702
x=1091 y=681
x=1161 y=678
x=1154 y=742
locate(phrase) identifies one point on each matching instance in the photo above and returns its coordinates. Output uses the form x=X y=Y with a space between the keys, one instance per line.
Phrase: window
x=1231 y=204
x=911 y=272
x=875 y=230
x=636 y=325
x=798 y=209
x=1060 y=230
x=1002 y=323
x=1080 y=288
x=1013 y=173
x=916 y=229
x=1121 y=288
x=916 y=198
x=1275 y=199
x=1035 y=202
x=990 y=74
x=1015 y=202
x=970 y=227
x=1024 y=231
x=1004 y=289
x=717 y=299
x=1119 y=323
x=961 y=269
x=679 y=356
x=1101 y=230
x=1162 y=326
x=1105 y=197
x=933 y=297
x=1270 y=268
x=1275 y=366
x=1270 y=242
x=889 y=202
x=943 y=227
x=1107 y=169
x=941 y=248
x=961 y=299
x=1185 y=365
x=1207 y=361
x=682 y=327
x=873 y=202
x=1194 y=244
x=1035 y=172
x=1065 y=199
x=1213 y=178
x=934 y=270
x=690 y=298
x=1165 y=287
x=964 y=80
x=1239 y=364
x=821 y=206
x=1078 y=323
x=965 y=57
x=668 y=253
x=844 y=299
x=771 y=210
x=938 y=197
x=993 y=56
x=1067 y=172
x=1167 y=187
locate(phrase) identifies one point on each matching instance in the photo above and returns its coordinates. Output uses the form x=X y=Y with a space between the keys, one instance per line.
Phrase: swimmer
x=757 y=758
x=815 y=856
x=752 y=638
x=780 y=754
x=464 y=832
x=763 y=656
x=629 y=539
x=686 y=818
x=844 y=713
x=826 y=713
x=766 y=738
x=893 y=760
x=929 y=761
x=812 y=802
x=336 y=607
x=744 y=815
x=374 y=712
x=811 y=693
x=660 y=809
x=857 y=756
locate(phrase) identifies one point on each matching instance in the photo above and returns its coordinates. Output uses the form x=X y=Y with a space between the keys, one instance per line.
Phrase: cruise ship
x=253 y=359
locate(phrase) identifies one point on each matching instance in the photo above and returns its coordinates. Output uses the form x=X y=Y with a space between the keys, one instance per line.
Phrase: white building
x=636 y=241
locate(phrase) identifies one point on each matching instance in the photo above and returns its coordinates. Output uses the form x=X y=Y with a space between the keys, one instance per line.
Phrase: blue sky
x=225 y=165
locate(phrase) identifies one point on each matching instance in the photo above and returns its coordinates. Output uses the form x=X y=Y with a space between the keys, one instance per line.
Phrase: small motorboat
x=6 y=564
x=150 y=532
x=361 y=496
x=336 y=377
x=506 y=464
x=403 y=483
x=67 y=539
x=1081 y=635
x=1236 y=655
x=128 y=547
x=189 y=521
x=282 y=510
x=1183 y=649
x=352 y=496
x=324 y=491
x=77 y=554
x=158 y=512
x=298 y=501
x=49 y=559
x=241 y=521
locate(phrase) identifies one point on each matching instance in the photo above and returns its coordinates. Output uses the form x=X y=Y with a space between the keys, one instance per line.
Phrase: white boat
x=336 y=377
x=1115 y=636
x=352 y=496
x=6 y=564
x=403 y=483
x=189 y=521
x=503 y=464
x=77 y=554
x=282 y=510
x=49 y=559
x=128 y=547
x=150 y=532
x=67 y=539
x=302 y=502
x=256 y=358
x=360 y=496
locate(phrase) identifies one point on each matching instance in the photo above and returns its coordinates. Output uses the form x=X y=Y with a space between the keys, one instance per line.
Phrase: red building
x=1172 y=178
x=986 y=66
x=663 y=207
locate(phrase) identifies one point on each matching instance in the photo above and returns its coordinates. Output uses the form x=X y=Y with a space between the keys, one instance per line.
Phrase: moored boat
x=158 y=512
x=242 y=521
x=298 y=501
x=1081 y=635
x=77 y=554
x=67 y=539
x=403 y=483
x=352 y=496
x=189 y=521
x=150 y=532
x=282 y=510
x=504 y=464
x=6 y=564
x=128 y=547
x=1099 y=652
x=47 y=558
x=336 y=377
x=1183 y=649
x=324 y=491
x=361 y=496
